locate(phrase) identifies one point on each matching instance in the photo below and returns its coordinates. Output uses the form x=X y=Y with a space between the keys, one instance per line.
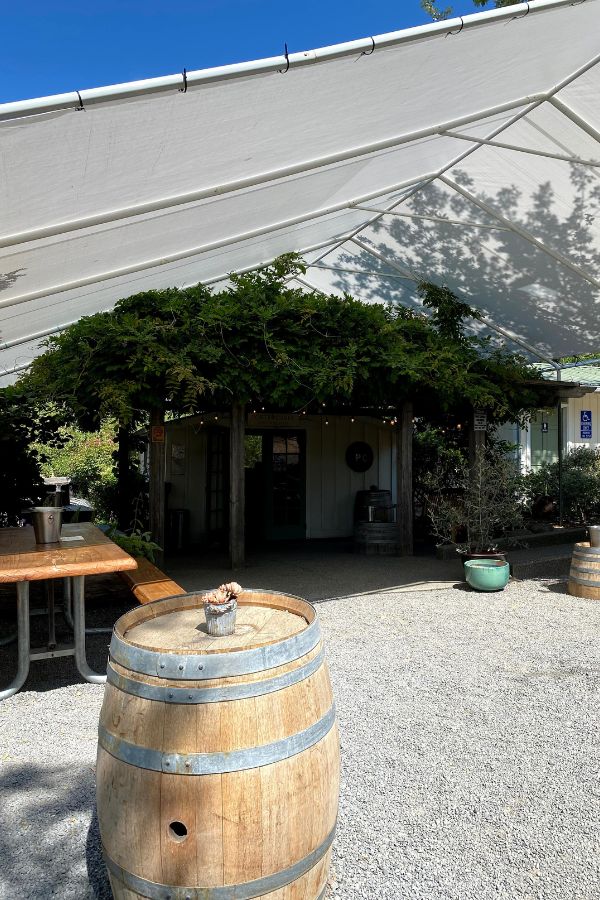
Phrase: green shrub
x=137 y=543
x=580 y=485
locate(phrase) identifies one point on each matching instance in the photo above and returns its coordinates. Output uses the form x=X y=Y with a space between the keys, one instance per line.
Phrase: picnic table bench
x=148 y=583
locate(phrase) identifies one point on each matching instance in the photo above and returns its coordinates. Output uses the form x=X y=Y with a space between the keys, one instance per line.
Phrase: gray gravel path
x=469 y=741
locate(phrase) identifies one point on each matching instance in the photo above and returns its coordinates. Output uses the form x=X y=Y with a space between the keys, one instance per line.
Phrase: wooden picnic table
x=83 y=550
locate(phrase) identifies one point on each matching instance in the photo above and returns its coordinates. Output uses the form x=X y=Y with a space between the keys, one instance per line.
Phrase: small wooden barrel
x=218 y=757
x=584 y=577
x=377 y=538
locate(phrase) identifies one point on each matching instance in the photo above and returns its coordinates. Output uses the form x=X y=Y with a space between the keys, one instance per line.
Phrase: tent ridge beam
x=382 y=258
x=562 y=157
x=521 y=232
x=215 y=191
x=441 y=219
x=369 y=274
x=486 y=321
x=569 y=79
x=74 y=100
x=521 y=343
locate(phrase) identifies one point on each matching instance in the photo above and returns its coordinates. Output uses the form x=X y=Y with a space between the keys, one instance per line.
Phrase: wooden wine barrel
x=584 y=577
x=381 y=501
x=377 y=538
x=218 y=757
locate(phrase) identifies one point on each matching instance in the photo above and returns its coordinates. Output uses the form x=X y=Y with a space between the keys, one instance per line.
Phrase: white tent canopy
x=464 y=152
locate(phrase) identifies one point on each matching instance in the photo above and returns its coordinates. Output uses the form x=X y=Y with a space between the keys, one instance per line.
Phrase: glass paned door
x=285 y=464
x=217 y=485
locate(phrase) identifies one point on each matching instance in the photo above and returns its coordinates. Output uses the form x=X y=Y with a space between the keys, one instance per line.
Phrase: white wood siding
x=188 y=481
x=589 y=401
x=331 y=485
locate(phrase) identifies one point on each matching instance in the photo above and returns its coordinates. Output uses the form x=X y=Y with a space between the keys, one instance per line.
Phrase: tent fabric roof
x=465 y=152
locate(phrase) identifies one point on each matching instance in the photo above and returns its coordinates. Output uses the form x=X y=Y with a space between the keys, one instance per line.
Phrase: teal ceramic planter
x=487 y=574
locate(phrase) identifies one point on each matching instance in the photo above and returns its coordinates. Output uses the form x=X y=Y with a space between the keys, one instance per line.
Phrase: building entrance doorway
x=275 y=485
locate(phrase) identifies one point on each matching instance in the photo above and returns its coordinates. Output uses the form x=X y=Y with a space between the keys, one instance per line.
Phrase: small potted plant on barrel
x=220 y=609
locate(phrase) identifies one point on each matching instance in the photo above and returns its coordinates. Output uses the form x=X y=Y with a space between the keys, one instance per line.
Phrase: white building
x=300 y=473
x=538 y=441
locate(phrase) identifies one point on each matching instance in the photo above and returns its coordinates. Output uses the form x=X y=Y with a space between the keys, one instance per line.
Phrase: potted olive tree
x=481 y=505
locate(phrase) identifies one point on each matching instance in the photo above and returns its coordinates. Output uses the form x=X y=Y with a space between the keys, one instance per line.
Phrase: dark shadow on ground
x=317 y=571
x=558 y=587
x=46 y=853
x=95 y=864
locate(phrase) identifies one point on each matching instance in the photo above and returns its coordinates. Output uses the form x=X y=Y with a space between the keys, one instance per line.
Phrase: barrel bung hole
x=177 y=832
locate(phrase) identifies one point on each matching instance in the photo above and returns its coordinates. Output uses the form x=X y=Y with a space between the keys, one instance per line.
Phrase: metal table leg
x=23 y=638
x=49 y=590
x=68 y=610
x=67 y=601
x=79 y=629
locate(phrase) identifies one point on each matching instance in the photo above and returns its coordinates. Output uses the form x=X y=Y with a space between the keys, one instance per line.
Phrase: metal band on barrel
x=245 y=891
x=585 y=581
x=578 y=569
x=587 y=550
x=200 y=667
x=215 y=763
x=184 y=695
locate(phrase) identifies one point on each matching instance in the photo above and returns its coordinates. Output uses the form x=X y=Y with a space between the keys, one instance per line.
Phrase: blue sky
x=50 y=46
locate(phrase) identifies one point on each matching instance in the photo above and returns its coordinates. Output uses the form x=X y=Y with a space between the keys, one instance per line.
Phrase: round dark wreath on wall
x=359 y=456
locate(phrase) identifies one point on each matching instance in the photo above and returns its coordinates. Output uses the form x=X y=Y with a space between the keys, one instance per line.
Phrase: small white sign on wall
x=479 y=420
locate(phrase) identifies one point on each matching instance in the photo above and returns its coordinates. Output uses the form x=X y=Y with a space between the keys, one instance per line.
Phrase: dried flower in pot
x=220 y=609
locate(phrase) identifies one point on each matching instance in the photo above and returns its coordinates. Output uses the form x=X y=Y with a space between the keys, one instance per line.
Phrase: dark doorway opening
x=275 y=485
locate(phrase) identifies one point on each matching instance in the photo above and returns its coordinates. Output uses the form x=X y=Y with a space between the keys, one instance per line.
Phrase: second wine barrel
x=584 y=577
x=218 y=758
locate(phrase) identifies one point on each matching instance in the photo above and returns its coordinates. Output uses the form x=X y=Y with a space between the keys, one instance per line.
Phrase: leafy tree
x=484 y=503
x=21 y=426
x=262 y=341
x=432 y=9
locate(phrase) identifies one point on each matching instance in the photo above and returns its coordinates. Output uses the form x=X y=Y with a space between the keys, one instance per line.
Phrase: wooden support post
x=404 y=479
x=157 y=479
x=124 y=510
x=476 y=437
x=236 y=486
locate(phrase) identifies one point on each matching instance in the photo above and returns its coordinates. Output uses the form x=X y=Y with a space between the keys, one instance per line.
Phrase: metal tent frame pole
x=562 y=157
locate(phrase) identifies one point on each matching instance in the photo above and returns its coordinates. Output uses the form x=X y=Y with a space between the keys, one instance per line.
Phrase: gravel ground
x=469 y=745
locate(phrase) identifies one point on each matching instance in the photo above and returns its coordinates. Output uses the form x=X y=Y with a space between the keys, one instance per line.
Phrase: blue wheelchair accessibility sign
x=586 y=423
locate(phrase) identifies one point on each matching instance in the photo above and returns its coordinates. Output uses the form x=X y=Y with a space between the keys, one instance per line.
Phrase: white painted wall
x=536 y=446
x=331 y=485
x=188 y=476
x=590 y=402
